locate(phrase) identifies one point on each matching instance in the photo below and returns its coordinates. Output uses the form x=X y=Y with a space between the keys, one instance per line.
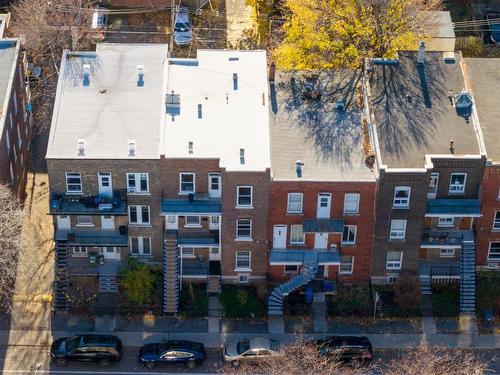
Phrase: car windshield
x=72 y=343
x=179 y=26
x=243 y=346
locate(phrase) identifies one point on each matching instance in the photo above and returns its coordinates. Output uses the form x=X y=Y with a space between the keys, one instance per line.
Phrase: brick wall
x=473 y=168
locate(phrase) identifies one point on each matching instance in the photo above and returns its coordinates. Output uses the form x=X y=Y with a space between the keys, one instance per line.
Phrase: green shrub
x=407 y=291
x=193 y=301
x=241 y=302
x=488 y=291
x=138 y=281
x=445 y=300
x=351 y=299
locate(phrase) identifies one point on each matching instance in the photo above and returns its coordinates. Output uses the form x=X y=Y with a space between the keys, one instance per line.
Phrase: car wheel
x=150 y=365
x=61 y=362
x=104 y=363
x=235 y=363
x=190 y=364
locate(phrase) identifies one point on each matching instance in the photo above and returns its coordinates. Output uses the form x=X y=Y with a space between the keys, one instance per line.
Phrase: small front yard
x=193 y=300
x=401 y=299
x=295 y=305
x=350 y=300
x=445 y=300
x=241 y=302
x=488 y=292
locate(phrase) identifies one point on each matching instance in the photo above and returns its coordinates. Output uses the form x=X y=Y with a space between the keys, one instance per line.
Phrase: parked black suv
x=103 y=349
x=346 y=348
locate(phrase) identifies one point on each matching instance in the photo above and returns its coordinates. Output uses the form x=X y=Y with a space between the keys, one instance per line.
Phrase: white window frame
x=192 y=225
x=347 y=197
x=187 y=252
x=346 y=272
x=397 y=234
x=288 y=210
x=79 y=251
x=244 y=238
x=73 y=175
x=496 y=220
x=88 y=222
x=238 y=195
x=140 y=246
x=401 y=202
x=293 y=271
x=457 y=188
x=187 y=192
x=138 y=178
x=394 y=264
x=446 y=252
x=497 y=254
x=350 y=227
x=433 y=194
x=444 y=221
x=245 y=254
x=138 y=209
x=294 y=240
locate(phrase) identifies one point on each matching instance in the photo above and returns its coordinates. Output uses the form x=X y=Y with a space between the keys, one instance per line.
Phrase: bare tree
x=46 y=28
x=11 y=220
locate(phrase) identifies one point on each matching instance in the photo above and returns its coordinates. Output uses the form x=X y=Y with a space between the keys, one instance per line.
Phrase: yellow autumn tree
x=326 y=34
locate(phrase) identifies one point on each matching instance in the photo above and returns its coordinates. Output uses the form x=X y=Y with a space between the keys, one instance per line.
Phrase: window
x=187 y=183
x=291 y=268
x=192 y=221
x=394 y=260
x=297 y=234
x=243 y=260
x=84 y=220
x=398 y=229
x=138 y=182
x=457 y=183
x=496 y=220
x=346 y=264
x=349 y=235
x=244 y=196
x=494 y=252
x=138 y=215
x=140 y=245
x=243 y=229
x=294 y=203
x=73 y=183
x=433 y=185
x=351 y=203
x=79 y=250
x=401 y=196
x=446 y=221
x=187 y=252
x=446 y=253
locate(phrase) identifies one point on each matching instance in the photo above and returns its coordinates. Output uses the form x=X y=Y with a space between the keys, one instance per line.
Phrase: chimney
x=81 y=147
x=272 y=72
x=190 y=148
x=242 y=156
x=235 y=81
x=86 y=74
x=452 y=148
x=140 y=75
x=131 y=147
x=421 y=53
x=298 y=168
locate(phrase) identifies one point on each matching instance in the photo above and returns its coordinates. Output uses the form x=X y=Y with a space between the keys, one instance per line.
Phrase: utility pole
x=172 y=15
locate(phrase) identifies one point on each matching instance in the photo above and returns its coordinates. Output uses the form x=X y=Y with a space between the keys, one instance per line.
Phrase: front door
x=107 y=222
x=324 y=204
x=320 y=240
x=105 y=185
x=214 y=253
x=63 y=222
x=279 y=237
x=111 y=252
x=214 y=185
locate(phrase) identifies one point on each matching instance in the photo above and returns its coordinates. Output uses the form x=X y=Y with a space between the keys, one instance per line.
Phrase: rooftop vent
x=234 y=59
x=242 y=156
x=298 y=168
x=81 y=147
x=452 y=146
x=272 y=72
x=449 y=57
x=463 y=104
x=309 y=90
x=385 y=61
x=235 y=81
x=86 y=74
x=421 y=53
x=190 y=147
x=140 y=75
x=173 y=104
x=200 y=111
x=340 y=105
x=131 y=147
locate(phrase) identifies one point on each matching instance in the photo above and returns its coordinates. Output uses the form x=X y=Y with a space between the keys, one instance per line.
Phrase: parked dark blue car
x=186 y=353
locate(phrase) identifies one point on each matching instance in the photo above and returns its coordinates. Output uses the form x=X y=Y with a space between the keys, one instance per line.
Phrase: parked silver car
x=250 y=350
x=183 y=33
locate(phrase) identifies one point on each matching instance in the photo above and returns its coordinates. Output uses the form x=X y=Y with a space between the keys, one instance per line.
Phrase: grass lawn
x=445 y=300
x=488 y=292
x=193 y=300
x=350 y=299
x=241 y=302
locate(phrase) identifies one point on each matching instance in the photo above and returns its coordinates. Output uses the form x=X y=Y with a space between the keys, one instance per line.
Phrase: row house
x=322 y=192
x=430 y=160
x=15 y=118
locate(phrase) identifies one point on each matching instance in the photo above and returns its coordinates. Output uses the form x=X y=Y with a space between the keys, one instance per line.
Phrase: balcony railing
x=61 y=203
x=452 y=238
x=93 y=238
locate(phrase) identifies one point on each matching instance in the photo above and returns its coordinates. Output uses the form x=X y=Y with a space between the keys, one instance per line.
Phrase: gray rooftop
x=484 y=76
x=328 y=141
x=413 y=113
x=8 y=58
x=114 y=108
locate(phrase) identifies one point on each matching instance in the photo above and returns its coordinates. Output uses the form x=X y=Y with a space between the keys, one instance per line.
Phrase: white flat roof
x=233 y=116
x=112 y=109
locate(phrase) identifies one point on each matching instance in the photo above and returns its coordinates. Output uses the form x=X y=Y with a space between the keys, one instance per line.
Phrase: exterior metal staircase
x=425 y=284
x=468 y=277
x=108 y=284
x=170 y=275
x=307 y=274
x=61 y=283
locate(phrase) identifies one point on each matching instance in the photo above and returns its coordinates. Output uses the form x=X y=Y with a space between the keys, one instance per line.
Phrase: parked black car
x=103 y=349
x=182 y=352
x=346 y=348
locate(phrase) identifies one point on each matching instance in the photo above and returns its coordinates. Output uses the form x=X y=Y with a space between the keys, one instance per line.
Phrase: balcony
x=297 y=257
x=440 y=239
x=199 y=204
x=453 y=207
x=323 y=225
x=198 y=239
x=439 y=269
x=93 y=238
x=63 y=204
